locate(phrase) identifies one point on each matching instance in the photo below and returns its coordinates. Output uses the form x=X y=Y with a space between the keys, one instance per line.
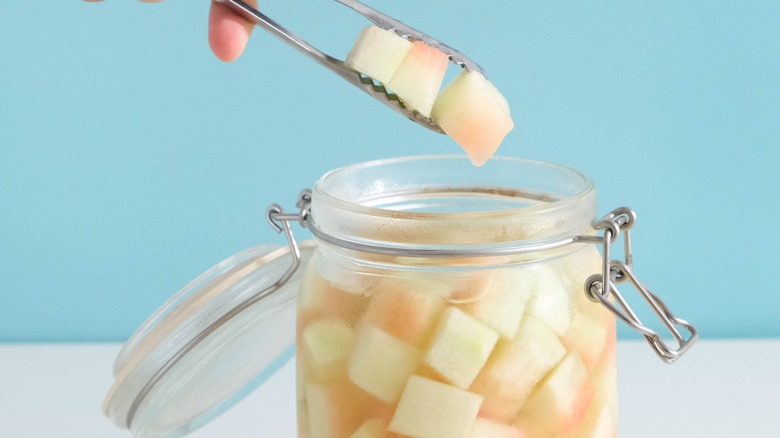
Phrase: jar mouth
x=444 y=200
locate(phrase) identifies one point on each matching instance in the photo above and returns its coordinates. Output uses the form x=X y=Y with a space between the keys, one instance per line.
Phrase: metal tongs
x=371 y=86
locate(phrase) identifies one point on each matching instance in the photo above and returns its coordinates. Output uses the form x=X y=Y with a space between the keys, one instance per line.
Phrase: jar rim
x=519 y=189
x=322 y=186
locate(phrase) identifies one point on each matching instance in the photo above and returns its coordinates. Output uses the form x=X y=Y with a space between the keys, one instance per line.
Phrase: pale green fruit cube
x=553 y=302
x=406 y=308
x=380 y=363
x=502 y=307
x=475 y=114
x=430 y=409
x=378 y=53
x=559 y=403
x=515 y=367
x=326 y=344
x=329 y=410
x=419 y=77
x=589 y=337
x=460 y=347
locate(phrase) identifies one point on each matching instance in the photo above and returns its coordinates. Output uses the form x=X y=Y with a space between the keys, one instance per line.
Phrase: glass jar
x=436 y=300
x=419 y=317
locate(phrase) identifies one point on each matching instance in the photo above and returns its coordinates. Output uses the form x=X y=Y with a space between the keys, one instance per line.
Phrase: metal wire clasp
x=618 y=222
x=280 y=221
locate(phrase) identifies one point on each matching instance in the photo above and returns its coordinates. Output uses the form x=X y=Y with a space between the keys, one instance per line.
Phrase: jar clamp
x=612 y=225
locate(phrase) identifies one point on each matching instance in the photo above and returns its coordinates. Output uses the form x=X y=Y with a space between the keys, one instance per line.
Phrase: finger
x=228 y=32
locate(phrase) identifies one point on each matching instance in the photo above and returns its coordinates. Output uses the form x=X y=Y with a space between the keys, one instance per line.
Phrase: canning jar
x=420 y=316
x=437 y=300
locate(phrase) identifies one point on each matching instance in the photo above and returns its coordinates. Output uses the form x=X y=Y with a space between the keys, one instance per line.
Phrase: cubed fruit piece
x=372 y=428
x=344 y=278
x=606 y=376
x=470 y=287
x=588 y=337
x=515 y=367
x=419 y=77
x=553 y=301
x=453 y=288
x=326 y=345
x=320 y=298
x=604 y=426
x=378 y=53
x=381 y=363
x=559 y=403
x=579 y=266
x=473 y=112
x=406 y=309
x=460 y=347
x=600 y=422
x=503 y=305
x=484 y=428
x=430 y=409
x=309 y=296
x=333 y=410
x=440 y=286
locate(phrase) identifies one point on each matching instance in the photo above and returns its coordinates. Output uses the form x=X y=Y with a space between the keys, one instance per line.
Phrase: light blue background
x=131 y=159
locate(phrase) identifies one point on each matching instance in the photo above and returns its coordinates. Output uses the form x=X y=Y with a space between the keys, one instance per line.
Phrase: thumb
x=228 y=32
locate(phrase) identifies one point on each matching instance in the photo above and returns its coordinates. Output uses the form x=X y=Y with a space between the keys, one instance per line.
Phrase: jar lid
x=209 y=345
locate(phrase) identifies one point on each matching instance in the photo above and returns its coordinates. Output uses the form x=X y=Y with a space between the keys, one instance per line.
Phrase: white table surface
x=720 y=389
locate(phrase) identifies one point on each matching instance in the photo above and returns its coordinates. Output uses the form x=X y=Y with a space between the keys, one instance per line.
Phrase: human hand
x=228 y=33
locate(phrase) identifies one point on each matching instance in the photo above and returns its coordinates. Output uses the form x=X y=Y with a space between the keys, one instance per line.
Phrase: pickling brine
x=468 y=344
x=459 y=351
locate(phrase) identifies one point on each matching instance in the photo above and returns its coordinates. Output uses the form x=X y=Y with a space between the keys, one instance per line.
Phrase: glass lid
x=209 y=345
